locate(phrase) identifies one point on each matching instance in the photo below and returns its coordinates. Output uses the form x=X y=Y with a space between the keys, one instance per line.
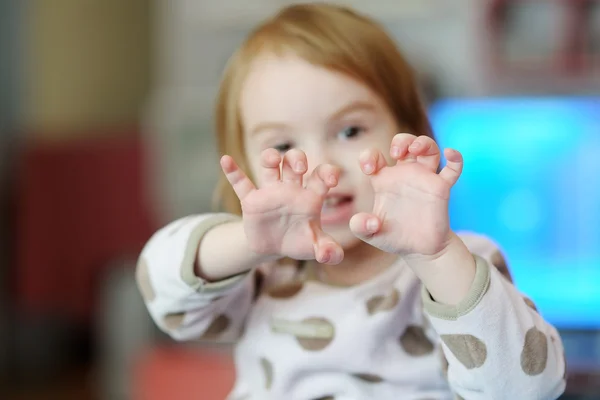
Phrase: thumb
x=327 y=250
x=364 y=226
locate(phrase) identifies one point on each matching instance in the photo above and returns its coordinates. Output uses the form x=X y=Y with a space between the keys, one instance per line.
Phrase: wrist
x=448 y=274
x=451 y=246
x=224 y=251
x=257 y=254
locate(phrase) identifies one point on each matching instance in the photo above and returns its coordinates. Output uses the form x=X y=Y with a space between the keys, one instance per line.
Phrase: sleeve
x=496 y=344
x=181 y=304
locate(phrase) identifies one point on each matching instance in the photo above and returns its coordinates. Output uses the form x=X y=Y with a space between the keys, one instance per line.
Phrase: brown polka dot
x=217 y=327
x=267 y=368
x=369 y=378
x=316 y=344
x=142 y=276
x=415 y=342
x=326 y=398
x=497 y=259
x=530 y=303
x=535 y=352
x=459 y=397
x=286 y=291
x=469 y=350
x=173 y=321
x=383 y=303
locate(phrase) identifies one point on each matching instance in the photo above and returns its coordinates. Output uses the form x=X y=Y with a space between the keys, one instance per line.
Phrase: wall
x=86 y=65
x=10 y=23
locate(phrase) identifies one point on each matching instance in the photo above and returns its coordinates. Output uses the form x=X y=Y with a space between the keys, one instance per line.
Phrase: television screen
x=531 y=182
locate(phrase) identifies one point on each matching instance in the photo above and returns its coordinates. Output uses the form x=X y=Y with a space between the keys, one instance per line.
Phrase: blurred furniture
x=80 y=205
x=548 y=45
x=582 y=348
x=181 y=373
x=124 y=330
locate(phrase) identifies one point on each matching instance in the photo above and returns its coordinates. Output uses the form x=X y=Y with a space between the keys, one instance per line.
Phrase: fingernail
x=372 y=225
x=332 y=180
x=415 y=145
x=395 y=151
x=326 y=257
x=300 y=166
x=368 y=168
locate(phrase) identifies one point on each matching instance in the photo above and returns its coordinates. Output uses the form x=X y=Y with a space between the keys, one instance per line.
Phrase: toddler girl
x=333 y=264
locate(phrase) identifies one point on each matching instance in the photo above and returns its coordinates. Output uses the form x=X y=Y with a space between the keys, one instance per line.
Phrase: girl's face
x=289 y=103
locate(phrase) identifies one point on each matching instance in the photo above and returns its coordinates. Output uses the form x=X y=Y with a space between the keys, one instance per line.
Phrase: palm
x=411 y=200
x=412 y=204
x=283 y=217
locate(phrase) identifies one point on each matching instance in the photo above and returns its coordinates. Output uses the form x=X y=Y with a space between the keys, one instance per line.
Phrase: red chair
x=182 y=374
x=79 y=206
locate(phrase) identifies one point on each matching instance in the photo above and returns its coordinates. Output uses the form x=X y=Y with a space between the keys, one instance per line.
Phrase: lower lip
x=338 y=214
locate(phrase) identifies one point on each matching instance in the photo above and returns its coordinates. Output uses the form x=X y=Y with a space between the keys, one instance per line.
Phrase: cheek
x=363 y=192
x=383 y=146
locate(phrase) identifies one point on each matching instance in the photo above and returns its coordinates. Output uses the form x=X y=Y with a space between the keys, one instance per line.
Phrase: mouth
x=337 y=208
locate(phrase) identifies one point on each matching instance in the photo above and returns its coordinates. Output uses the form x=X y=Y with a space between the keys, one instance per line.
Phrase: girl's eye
x=283 y=147
x=350 y=132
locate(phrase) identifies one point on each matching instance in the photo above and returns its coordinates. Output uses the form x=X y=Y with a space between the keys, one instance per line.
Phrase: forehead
x=289 y=89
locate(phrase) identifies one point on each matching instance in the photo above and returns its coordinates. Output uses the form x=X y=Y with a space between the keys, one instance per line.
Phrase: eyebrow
x=350 y=107
x=353 y=106
x=268 y=126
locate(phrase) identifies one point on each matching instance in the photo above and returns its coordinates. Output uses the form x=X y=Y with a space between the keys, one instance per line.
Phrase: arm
x=224 y=252
x=496 y=343
x=183 y=304
x=448 y=275
x=497 y=346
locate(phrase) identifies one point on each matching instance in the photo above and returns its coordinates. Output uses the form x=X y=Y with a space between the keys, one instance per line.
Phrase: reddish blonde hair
x=329 y=36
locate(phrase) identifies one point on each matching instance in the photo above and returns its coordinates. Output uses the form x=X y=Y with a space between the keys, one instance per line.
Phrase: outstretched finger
x=371 y=161
x=454 y=166
x=327 y=250
x=294 y=166
x=323 y=178
x=399 y=147
x=242 y=185
x=427 y=152
x=364 y=225
x=270 y=163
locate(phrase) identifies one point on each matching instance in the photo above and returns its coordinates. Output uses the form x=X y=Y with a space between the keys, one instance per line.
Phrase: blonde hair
x=326 y=35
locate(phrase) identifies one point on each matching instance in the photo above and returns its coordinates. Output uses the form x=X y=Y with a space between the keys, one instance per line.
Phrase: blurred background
x=106 y=135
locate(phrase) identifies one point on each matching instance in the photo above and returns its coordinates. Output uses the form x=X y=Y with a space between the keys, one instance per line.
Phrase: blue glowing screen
x=532 y=183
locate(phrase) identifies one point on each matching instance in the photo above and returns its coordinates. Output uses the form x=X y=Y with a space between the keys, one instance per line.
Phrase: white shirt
x=299 y=338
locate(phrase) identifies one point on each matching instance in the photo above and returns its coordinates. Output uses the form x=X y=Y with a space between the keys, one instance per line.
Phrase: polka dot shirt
x=300 y=338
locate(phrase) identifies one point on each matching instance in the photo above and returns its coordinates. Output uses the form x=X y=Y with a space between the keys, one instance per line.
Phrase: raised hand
x=410 y=211
x=282 y=216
